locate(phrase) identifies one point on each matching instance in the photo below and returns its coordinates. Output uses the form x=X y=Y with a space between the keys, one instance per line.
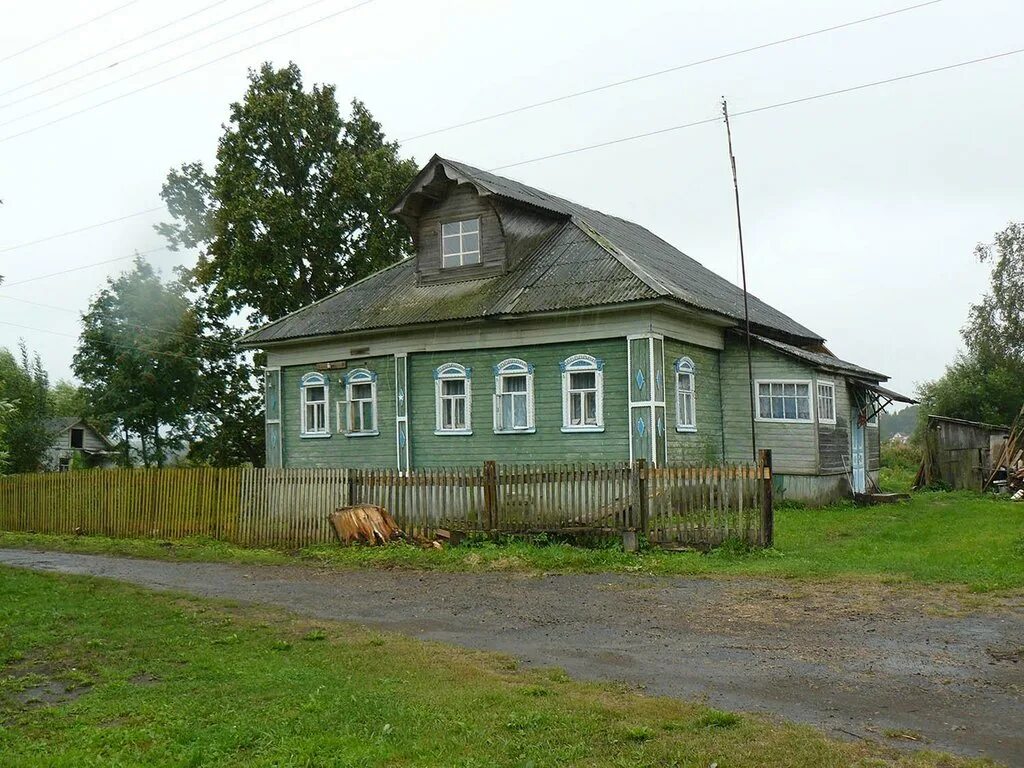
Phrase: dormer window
x=460 y=243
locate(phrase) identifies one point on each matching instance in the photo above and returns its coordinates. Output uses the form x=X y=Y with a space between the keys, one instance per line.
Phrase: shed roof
x=964 y=422
x=825 y=360
x=591 y=259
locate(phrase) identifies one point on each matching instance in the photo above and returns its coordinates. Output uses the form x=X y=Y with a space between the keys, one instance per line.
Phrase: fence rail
x=688 y=506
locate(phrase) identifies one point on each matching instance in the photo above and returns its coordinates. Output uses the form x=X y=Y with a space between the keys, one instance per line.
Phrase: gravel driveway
x=856 y=660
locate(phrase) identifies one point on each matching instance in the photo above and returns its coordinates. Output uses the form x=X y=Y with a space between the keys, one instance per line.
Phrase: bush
x=899 y=465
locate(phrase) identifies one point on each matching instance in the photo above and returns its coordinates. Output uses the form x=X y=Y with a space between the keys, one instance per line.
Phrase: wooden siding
x=462 y=203
x=834 y=439
x=548 y=444
x=90 y=440
x=704 y=445
x=793 y=445
x=339 y=450
x=478 y=334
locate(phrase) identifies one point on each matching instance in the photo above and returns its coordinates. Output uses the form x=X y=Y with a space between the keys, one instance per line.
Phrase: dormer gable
x=463 y=231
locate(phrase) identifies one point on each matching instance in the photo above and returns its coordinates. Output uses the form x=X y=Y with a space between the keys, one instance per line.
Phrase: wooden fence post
x=642 y=503
x=491 y=494
x=767 y=508
x=351 y=489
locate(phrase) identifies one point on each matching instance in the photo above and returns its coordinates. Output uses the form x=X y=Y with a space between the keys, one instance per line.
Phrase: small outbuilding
x=958 y=453
x=72 y=435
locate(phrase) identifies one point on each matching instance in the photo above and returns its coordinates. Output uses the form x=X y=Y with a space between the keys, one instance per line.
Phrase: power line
x=176 y=334
x=104 y=341
x=85 y=266
x=676 y=68
x=755 y=110
x=86 y=228
x=53 y=37
x=179 y=74
x=119 y=62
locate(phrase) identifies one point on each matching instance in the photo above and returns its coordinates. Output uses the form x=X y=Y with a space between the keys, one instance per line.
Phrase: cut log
x=365 y=523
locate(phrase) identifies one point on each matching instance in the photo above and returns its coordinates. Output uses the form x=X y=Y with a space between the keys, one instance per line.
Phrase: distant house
x=72 y=435
x=898 y=438
x=528 y=328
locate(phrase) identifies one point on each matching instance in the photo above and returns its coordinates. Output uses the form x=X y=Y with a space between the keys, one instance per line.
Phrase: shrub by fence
x=689 y=506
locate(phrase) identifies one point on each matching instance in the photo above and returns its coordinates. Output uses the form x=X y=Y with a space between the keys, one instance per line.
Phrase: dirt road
x=860 y=661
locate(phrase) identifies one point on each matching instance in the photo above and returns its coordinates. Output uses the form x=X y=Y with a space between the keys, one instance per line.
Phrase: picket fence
x=672 y=506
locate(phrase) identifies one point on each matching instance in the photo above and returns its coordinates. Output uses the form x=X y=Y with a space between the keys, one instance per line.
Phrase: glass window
x=686 y=396
x=784 y=400
x=452 y=399
x=460 y=243
x=513 y=396
x=827 y=402
x=314 y=405
x=362 y=402
x=582 y=395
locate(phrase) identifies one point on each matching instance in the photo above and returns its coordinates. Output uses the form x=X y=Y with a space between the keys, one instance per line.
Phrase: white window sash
x=446 y=405
x=505 y=371
x=360 y=410
x=460 y=256
x=826 y=395
x=776 y=392
x=314 y=414
x=572 y=395
x=686 y=401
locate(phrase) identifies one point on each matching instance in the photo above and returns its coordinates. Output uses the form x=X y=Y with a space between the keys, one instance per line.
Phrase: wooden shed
x=959 y=453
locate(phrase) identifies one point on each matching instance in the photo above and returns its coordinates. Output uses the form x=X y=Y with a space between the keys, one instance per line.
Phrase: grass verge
x=936 y=538
x=99 y=673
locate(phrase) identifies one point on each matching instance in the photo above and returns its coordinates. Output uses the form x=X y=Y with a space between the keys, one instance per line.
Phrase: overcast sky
x=861 y=211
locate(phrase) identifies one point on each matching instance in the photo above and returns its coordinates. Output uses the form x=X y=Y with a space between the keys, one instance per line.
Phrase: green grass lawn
x=97 y=673
x=936 y=538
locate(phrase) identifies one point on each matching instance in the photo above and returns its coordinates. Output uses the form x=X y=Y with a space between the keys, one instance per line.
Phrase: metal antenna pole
x=743 y=270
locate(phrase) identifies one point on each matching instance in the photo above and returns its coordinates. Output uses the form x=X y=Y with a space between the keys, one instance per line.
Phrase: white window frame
x=684 y=367
x=461 y=254
x=452 y=372
x=810 y=401
x=830 y=385
x=582 y=364
x=309 y=381
x=354 y=378
x=513 y=367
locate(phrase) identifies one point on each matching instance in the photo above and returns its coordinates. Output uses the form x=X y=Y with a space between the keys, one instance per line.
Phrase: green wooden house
x=527 y=328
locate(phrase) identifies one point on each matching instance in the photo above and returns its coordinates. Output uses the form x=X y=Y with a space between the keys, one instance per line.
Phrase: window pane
x=587 y=380
x=314 y=394
x=453 y=387
x=803 y=390
x=506 y=412
x=575 y=408
x=472 y=225
x=471 y=258
x=591 y=405
x=803 y=408
x=790 y=407
x=777 y=409
x=514 y=383
x=764 y=390
x=362 y=391
x=451 y=228
x=470 y=242
x=449 y=245
x=460 y=413
x=446 y=414
x=764 y=407
x=519 y=411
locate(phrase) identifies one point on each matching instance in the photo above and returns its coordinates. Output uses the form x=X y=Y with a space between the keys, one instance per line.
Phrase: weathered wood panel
x=461 y=203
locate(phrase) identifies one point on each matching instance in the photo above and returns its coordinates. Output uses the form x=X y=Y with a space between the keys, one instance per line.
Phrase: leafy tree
x=296 y=206
x=986 y=381
x=294 y=209
x=24 y=386
x=138 y=360
x=67 y=399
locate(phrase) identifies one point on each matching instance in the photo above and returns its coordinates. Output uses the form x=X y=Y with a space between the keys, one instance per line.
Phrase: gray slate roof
x=826 y=361
x=593 y=259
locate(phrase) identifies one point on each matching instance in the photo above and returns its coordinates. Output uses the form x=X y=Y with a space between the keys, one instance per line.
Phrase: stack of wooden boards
x=1008 y=465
